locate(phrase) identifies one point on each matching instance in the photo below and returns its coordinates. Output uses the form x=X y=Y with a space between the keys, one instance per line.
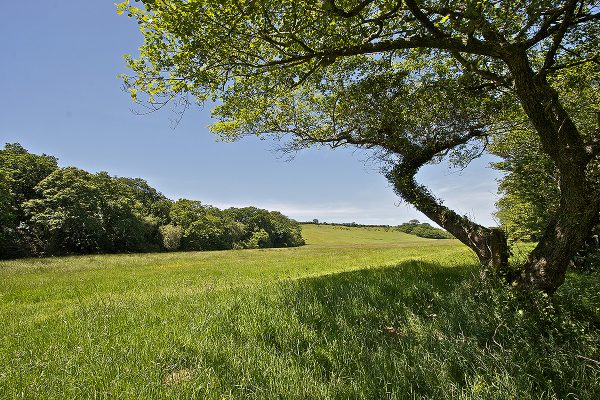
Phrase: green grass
x=356 y=313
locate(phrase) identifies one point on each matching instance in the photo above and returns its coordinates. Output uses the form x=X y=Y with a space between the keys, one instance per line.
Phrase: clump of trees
x=424 y=230
x=48 y=210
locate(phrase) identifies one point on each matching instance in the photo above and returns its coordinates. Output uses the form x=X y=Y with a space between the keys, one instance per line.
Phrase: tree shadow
x=428 y=329
x=415 y=330
x=377 y=295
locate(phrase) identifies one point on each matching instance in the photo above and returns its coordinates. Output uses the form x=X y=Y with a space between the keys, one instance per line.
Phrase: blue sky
x=60 y=60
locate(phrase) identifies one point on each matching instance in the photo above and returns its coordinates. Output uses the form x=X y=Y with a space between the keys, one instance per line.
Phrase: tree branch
x=451 y=44
x=545 y=29
x=471 y=66
x=549 y=26
x=574 y=64
x=347 y=14
x=488 y=243
x=422 y=18
x=560 y=34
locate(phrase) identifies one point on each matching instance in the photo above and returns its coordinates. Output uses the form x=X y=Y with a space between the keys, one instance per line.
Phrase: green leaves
x=281 y=67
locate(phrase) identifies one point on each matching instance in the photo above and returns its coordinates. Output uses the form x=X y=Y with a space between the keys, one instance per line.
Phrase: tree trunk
x=489 y=244
x=547 y=264
x=579 y=205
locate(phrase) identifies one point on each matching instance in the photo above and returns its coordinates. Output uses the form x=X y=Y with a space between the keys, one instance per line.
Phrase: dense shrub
x=258 y=239
x=184 y=212
x=67 y=215
x=282 y=231
x=79 y=212
x=7 y=217
x=20 y=172
x=210 y=232
x=171 y=236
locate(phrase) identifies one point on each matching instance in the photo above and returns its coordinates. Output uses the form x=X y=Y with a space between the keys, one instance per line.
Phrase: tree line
x=412 y=227
x=49 y=210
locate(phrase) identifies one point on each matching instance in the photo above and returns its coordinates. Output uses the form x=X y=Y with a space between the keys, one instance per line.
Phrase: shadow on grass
x=375 y=297
x=433 y=331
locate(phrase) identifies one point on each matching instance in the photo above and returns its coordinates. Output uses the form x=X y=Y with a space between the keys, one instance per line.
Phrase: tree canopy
x=414 y=81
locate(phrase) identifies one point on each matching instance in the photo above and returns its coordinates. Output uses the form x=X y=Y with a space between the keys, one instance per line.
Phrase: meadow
x=356 y=313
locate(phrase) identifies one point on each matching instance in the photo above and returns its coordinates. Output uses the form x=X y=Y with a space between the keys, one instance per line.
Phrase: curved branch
x=550 y=25
x=560 y=34
x=452 y=44
x=489 y=244
x=422 y=18
x=472 y=66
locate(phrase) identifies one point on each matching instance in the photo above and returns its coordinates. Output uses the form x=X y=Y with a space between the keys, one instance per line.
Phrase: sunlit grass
x=356 y=313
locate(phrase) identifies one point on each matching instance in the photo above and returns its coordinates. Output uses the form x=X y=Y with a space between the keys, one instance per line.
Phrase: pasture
x=356 y=313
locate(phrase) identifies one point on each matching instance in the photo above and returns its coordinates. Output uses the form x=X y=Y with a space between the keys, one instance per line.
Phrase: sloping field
x=356 y=313
x=57 y=282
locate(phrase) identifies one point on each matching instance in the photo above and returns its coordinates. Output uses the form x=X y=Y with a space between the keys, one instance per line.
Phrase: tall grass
x=357 y=313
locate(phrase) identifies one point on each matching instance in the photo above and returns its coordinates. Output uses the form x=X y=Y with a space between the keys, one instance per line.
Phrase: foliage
x=171 y=236
x=67 y=216
x=530 y=187
x=424 y=230
x=7 y=217
x=209 y=232
x=349 y=72
x=258 y=239
x=149 y=201
x=208 y=228
x=530 y=192
x=282 y=231
x=359 y=313
x=184 y=212
x=20 y=172
x=79 y=212
x=129 y=223
x=24 y=170
x=69 y=210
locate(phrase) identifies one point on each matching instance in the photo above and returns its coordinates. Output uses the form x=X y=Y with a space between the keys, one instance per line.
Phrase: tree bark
x=547 y=264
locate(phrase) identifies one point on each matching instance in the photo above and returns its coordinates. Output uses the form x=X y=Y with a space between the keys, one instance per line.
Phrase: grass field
x=356 y=313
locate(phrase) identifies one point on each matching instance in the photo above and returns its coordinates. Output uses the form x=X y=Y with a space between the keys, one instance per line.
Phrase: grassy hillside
x=356 y=313
x=56 y=282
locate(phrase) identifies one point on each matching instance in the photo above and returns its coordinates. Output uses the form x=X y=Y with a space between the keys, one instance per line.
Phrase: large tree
x=413 y=80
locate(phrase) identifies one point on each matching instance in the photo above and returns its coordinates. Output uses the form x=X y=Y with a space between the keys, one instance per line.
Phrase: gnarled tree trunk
x=547 y=264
